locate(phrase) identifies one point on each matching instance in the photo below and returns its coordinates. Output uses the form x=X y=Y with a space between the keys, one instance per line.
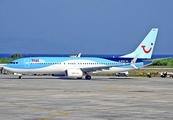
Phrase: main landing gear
x=20 y=77
x=87 y=77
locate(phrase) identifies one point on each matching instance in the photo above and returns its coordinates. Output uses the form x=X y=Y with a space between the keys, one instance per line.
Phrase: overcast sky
x=87 y=26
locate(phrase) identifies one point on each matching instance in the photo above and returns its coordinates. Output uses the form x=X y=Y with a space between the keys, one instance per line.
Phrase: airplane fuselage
x=58 y=65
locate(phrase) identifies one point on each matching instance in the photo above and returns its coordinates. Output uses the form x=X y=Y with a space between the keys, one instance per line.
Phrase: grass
x=143 y=72
x=163 y=63
x=6 y=60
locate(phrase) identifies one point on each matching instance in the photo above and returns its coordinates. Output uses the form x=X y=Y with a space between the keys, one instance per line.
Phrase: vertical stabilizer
x=146 y=47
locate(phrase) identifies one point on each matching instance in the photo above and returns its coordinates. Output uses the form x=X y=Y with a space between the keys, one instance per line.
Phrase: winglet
x=134 y=61
x=79 y=54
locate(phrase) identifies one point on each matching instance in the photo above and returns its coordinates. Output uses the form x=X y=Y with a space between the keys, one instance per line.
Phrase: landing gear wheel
x=87 y=77
x=20 y=77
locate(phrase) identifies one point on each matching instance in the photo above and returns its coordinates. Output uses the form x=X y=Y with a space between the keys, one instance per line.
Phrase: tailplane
x=146 y=47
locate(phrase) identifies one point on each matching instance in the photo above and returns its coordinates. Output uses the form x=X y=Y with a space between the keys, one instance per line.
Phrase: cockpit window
x=13 y=62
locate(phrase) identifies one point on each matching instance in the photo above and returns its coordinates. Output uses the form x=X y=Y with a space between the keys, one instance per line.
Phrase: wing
x=90 y=69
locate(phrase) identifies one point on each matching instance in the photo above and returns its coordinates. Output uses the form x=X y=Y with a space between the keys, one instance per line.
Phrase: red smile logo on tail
x=148 y=50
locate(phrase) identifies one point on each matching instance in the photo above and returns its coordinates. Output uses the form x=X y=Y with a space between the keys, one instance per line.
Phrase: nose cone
x=7 y=67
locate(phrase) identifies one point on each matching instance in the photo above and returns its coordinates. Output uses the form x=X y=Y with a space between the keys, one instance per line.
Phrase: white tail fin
x=146 y=47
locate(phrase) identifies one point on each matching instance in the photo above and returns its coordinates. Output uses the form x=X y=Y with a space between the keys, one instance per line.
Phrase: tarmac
x=101 y=98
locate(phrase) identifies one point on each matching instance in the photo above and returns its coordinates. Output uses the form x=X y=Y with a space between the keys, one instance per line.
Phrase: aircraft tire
x=20 y=77
x=88 y=77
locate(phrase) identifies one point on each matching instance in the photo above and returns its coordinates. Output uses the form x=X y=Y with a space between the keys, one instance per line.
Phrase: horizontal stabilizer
x=156 y=59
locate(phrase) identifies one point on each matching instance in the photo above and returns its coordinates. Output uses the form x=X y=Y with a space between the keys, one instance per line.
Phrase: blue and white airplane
x=77 y=67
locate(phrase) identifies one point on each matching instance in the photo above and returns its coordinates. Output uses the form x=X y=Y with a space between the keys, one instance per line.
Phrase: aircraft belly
x=114 y=70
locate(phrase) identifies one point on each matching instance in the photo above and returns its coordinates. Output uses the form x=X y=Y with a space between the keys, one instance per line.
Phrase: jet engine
x=74 y=73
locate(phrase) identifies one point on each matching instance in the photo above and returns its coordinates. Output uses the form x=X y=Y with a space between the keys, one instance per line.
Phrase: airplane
x=77 y=67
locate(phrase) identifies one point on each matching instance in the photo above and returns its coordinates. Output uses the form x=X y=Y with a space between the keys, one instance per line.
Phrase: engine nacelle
x=17 y=74
x=74 y=73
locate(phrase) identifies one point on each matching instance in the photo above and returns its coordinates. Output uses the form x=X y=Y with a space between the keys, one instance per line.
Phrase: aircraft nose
x=6 y=67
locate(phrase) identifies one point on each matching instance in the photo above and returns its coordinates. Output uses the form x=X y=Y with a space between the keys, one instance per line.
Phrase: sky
x=86 y=26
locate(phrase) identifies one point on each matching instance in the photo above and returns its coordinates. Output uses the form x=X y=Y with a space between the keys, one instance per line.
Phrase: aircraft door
x=26 y=62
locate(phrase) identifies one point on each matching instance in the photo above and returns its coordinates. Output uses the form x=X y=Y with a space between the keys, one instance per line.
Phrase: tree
x=15 y=56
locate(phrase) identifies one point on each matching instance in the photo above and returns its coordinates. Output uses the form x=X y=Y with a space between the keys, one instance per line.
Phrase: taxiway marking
x=78 y=110
x=61 y=112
